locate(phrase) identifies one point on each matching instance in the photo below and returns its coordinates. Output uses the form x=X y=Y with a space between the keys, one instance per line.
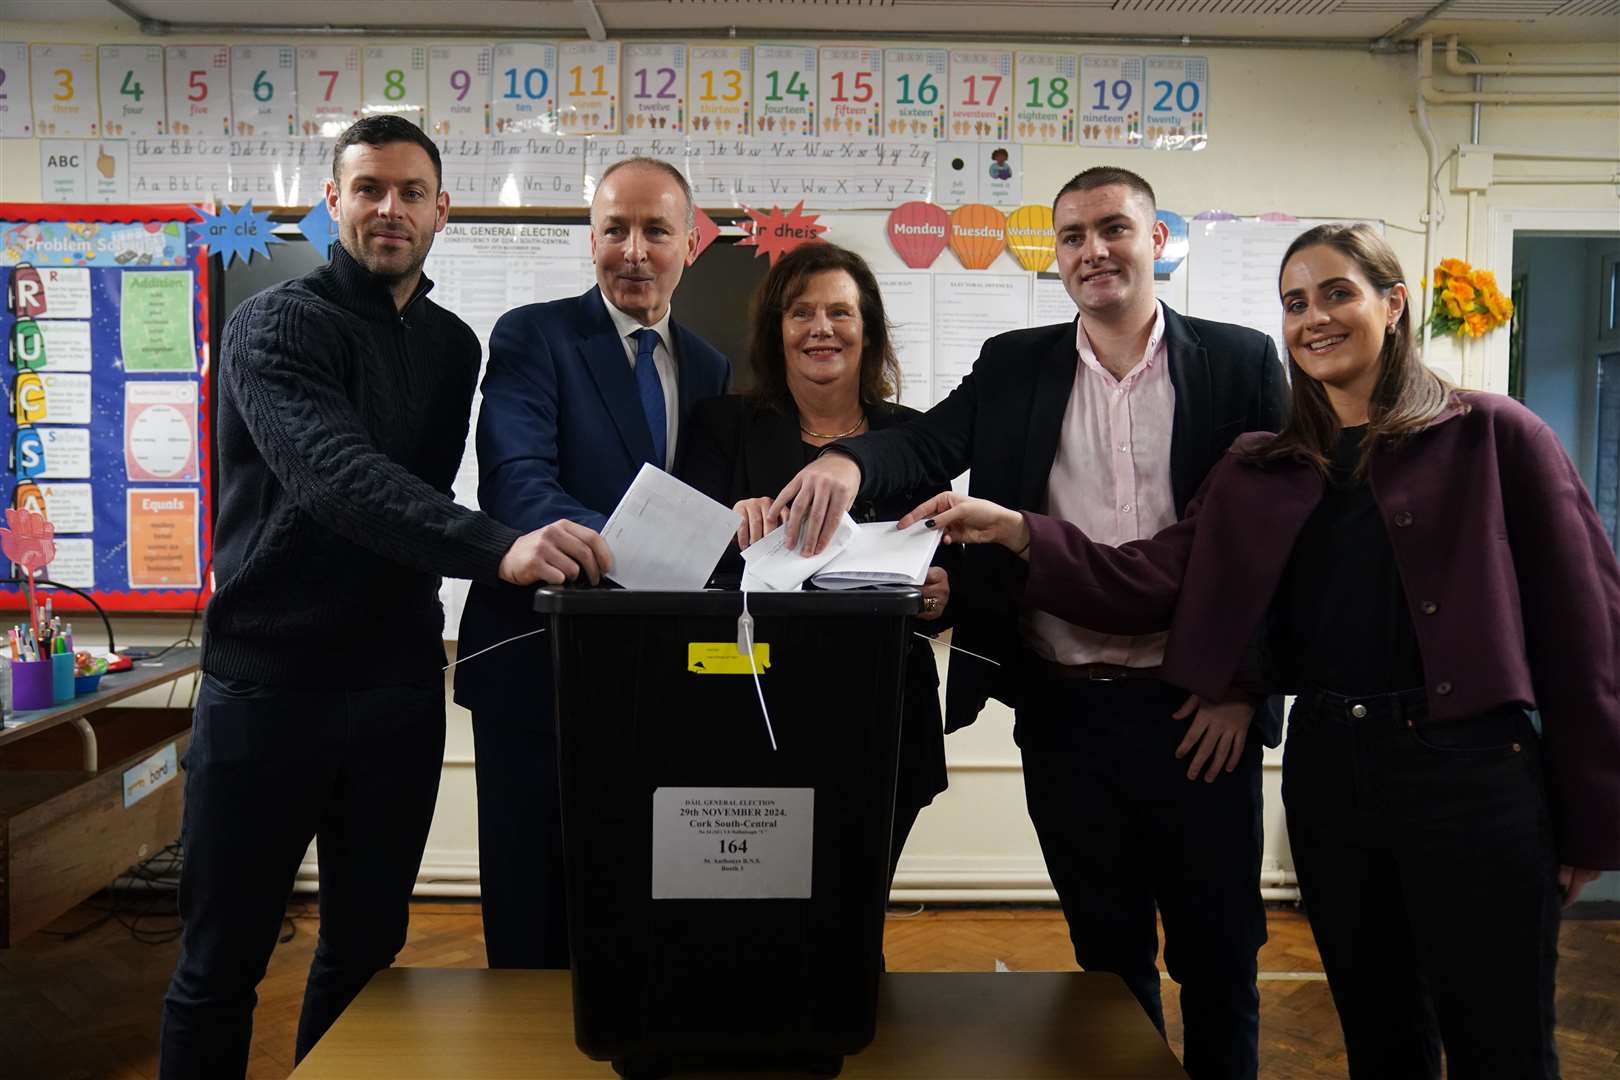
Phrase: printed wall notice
x=851 y=93
x=588 y=90
x=732 y=843
x=981 y=94
x=75 y=563
x=67 y=398
x=1177 y=102
x=328 y=88
x=785 y=90
x=394 y=79
x=1044 y=97
x=525 y=91
x=163 y=538
x=160 y=431
x=65 y=452
x=156 y=321
x=1111 y=89
x=69 y=507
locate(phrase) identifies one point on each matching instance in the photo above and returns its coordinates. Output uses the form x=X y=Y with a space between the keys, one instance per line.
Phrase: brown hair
x=1099 y=176
x=785 y=283
x=1407 y=398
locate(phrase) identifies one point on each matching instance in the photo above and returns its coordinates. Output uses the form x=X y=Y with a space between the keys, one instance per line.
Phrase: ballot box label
x=729 y=843
x=143 y=779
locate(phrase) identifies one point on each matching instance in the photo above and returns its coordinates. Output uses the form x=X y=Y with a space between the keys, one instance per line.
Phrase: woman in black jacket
x=823 y=366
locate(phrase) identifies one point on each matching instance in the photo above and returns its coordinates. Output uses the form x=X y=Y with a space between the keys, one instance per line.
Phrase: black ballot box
x=726 y=898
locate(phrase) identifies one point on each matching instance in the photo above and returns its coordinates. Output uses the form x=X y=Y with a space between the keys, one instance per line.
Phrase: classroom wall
x=1304 y=131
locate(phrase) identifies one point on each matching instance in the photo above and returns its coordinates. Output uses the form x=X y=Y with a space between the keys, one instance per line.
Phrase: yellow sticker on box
x=722 y=658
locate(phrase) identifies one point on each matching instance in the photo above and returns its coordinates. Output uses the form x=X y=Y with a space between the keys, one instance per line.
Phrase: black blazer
x=1003 y=422
x=737 y=450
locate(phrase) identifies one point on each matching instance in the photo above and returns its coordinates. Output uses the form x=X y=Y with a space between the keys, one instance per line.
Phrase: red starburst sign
x=776 y=233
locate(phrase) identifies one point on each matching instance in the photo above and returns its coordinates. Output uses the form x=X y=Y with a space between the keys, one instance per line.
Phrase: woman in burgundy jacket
x=1422 y=566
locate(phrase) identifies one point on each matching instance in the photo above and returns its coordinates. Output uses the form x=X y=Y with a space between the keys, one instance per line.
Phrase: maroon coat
x=1512 y=583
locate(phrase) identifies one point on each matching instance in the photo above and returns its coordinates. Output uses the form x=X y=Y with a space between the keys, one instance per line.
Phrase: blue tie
x=651 y=389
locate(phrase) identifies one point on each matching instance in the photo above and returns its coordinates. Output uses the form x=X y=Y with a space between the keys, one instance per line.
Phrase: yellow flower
x=1460 y=288
x=1476 y=324
x=1453 y=308
x=1483 y=280
x=1498 y=305
x=1454 y=267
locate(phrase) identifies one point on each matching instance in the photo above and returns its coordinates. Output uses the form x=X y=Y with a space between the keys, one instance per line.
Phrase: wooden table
x=66 y=828
x=425 y=1023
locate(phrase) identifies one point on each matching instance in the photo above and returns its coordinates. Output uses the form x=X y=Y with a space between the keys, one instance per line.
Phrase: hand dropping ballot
x=665 y=534
x=876 y=553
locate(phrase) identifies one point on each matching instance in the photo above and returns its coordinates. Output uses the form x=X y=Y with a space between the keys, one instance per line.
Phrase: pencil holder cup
x=62 y=678
x=31 y=684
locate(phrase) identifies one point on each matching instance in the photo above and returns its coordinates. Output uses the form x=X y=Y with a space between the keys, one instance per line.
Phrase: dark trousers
x=268 y=770
x=1123 y=830
x=1426 y=862
x=520 y=844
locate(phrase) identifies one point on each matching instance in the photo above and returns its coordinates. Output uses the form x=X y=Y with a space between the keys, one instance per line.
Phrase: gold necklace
x=840 y=435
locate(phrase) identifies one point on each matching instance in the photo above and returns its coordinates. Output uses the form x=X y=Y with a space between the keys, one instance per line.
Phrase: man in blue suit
x=578 y=395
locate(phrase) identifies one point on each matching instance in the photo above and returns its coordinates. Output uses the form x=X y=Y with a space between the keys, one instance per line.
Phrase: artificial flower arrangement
x=1466 y=301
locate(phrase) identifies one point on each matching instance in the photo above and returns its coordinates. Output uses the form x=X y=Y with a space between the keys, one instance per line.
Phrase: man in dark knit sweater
x=342 y=411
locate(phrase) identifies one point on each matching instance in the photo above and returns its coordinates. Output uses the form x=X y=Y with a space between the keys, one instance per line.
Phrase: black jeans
x=1427 y=865
x=1123 y=830
x=268 y=770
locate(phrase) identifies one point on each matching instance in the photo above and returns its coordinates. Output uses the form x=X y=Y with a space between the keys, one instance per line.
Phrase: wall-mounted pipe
x=1457 y=67
x=1437 y=96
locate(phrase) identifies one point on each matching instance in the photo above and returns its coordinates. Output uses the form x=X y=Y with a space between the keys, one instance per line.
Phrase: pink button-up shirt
x=1111 y=477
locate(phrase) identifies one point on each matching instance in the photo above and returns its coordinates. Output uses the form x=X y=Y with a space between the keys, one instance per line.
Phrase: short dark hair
x=664 y=167
x=1107 y=176
x=785 y=283
x=381 y=130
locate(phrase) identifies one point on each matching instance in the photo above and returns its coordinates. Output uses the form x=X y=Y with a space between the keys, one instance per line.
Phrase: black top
x=1340 y=621
x=339 y=425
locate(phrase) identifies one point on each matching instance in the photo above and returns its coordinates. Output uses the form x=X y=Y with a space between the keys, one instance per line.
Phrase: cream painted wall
x=1308 y=132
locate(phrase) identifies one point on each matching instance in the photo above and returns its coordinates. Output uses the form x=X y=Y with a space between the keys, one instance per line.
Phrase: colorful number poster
x=655 y=88
x=981 y=95
x=264 y=89
x=588 y=97
x=1177 y=102
x=114 y=457
x=163 y=549
x=160 y=431
x=328 y=88
x=851 y=93
x=785 y=91
x=525 y=94
x=722 y=76
x=1111 y=96
x=199 y=89
x=16 y=101
x=458 y=90
x=394 y=79
x=914 y=93
x=62 y=79
x=1045 y=109
x=131 y=90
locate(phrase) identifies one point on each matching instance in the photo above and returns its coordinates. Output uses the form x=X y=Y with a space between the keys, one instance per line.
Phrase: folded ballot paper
x=880 y=554
x=665 y=534
x=873 y=554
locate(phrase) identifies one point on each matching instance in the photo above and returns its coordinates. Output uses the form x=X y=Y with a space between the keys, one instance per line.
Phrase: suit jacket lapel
x=604 y=358
x=772 y=454
x=1192 y=430
x=1054 y=382
x=686 y=388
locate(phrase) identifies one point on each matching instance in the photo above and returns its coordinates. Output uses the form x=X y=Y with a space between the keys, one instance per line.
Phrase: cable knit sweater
x=339 y=425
